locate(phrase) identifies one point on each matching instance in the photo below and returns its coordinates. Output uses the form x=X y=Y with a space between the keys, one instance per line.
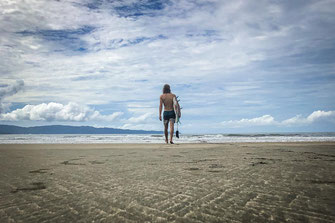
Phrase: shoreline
x=159 y=139
x=176 y=145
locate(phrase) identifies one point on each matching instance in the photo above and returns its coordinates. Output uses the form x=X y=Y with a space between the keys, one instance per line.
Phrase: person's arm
x=160 y=107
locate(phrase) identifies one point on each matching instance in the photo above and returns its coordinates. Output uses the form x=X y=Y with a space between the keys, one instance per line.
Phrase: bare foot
x=171 y=142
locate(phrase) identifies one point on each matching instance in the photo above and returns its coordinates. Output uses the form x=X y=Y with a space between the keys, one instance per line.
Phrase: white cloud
x=4 y=107
x=143 y=126
x=298 y=119
x=141 y=118
x=268 y=120
x=57 y=112
x=317 y=115
x=327 y=116
x=260 y=121
x=9 y=91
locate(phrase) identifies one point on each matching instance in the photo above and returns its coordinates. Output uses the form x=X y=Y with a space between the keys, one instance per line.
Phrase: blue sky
x=237 y=66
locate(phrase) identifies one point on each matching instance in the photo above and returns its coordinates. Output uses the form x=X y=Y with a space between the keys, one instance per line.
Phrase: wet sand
x=240 y=182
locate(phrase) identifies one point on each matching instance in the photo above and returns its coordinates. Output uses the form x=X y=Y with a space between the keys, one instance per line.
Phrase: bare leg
x=171 y=131
x=166 y=125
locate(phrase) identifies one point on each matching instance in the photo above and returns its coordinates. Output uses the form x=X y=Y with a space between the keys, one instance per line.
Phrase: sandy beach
x=238 y=182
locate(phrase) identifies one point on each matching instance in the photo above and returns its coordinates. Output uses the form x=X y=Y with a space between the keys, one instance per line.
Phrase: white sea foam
x=143 y=138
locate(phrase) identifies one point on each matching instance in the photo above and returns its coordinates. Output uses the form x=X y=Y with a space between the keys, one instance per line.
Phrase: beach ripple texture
x=239 y=182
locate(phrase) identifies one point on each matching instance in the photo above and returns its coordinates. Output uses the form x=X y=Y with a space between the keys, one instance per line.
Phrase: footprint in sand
x=39 y=171
x=204 y=160
x=258 y=163
x=35 y=186
x=214 y=171
x=67 y=162
x=96 y=162
x=318 y=181
x=176 y=156
x=215 y=166
x=192 y=168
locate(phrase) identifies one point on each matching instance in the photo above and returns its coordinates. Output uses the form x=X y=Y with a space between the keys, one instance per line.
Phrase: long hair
x=166 y=89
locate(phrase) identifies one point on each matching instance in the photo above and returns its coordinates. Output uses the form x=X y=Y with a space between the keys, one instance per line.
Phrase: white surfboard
x=176 y=108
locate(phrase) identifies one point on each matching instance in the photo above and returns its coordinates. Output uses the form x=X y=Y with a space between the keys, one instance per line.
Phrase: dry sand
x=240 y=182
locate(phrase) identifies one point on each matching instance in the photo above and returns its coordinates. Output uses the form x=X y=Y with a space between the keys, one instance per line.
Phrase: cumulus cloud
x=259 y=121
x=327 y=116
x=7 y=91
x=142 y=126
x=57 y=112
x=268 y=120
x=140 y=118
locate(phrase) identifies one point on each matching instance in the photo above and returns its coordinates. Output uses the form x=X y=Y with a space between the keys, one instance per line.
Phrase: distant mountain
x=66 y=129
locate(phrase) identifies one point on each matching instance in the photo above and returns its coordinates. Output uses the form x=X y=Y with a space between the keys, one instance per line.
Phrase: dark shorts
x=169 y=116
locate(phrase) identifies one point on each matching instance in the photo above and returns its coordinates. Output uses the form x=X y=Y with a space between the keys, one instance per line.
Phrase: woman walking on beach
x=169 y=114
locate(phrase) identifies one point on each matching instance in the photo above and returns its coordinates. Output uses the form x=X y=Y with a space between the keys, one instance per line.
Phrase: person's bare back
x=167 y=100
x=169 y=114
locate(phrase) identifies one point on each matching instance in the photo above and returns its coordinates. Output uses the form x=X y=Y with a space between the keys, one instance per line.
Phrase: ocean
x=149 y=138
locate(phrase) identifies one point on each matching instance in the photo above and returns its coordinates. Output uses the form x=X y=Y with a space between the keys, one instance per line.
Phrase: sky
x=237 y=66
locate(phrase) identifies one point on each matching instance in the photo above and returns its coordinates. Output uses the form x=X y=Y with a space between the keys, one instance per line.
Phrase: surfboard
x=176 y=108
